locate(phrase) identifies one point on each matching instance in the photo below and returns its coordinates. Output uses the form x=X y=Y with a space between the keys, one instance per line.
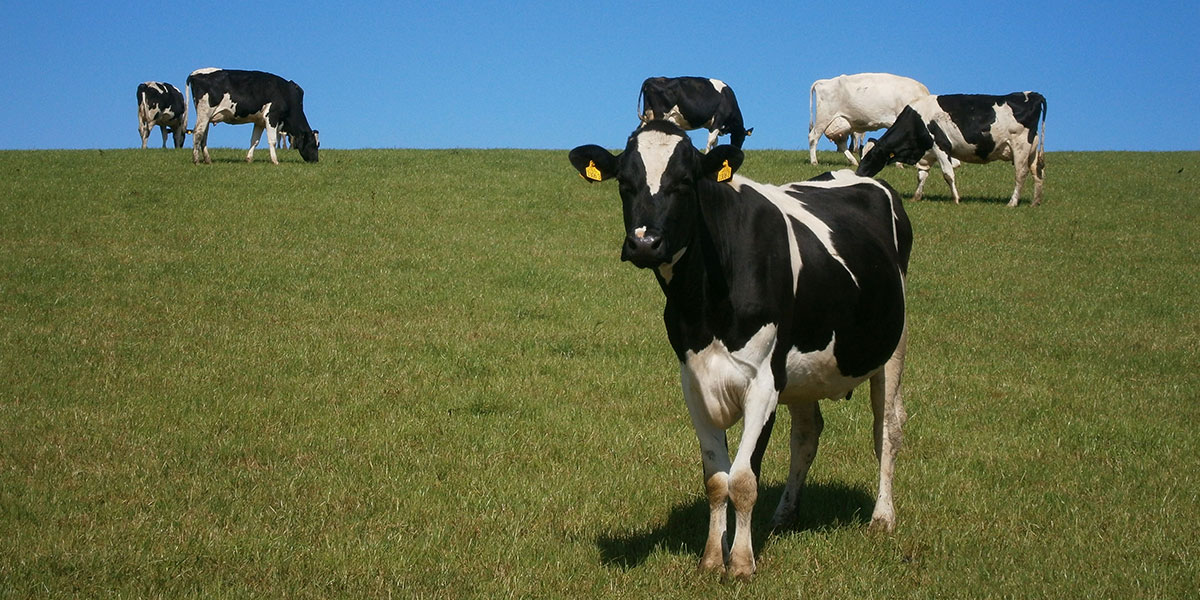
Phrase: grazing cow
x=855 y=104
x=972 y=128
x=161 y=104
x=269 y=101
x=694 y=103
x=788 y=294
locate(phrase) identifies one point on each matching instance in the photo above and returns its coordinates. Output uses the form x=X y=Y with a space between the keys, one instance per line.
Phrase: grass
x=401 y=373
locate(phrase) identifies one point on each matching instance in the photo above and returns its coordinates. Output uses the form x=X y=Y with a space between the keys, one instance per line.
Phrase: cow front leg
x=761 y=400
x=922 y=175
x=887 y=404
x=806 y=434
x=713 y=136
x=714 y=455
x=272 y=139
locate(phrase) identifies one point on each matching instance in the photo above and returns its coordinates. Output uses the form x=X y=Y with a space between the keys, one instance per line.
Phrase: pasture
x=425 y=373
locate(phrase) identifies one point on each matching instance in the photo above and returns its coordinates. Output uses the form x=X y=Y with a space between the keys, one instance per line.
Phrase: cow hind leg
x=806 y=433
x=713 y=136
x=922 y=175
x=1021 y=156
x=887 y=405
x=163 y=129
x=254 y=138
x=200 y=140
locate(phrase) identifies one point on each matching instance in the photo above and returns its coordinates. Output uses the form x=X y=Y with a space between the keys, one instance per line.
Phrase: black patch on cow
x=1027 y=108
x=974 y=115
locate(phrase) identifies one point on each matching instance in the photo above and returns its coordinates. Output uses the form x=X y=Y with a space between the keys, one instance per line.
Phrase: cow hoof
x=744 y=572
x=882 y=525
x=711 y=565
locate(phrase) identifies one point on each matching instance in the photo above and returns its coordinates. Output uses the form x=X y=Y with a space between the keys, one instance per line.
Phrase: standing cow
x=855 y=104
x=694 y=103
x=973 y=128
x=787 y=294
x=161 y=105
x=268 y=101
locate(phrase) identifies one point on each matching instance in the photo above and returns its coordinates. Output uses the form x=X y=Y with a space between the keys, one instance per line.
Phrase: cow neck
x=698 y=293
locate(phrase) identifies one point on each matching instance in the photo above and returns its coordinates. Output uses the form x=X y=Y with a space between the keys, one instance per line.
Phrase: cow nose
x=643 y=249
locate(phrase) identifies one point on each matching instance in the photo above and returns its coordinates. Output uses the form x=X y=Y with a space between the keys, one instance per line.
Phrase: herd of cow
x=775 y=295
x=791 y=294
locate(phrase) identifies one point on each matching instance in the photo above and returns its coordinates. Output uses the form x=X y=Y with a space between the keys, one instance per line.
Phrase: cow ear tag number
x=726 y=172
x=592 y=172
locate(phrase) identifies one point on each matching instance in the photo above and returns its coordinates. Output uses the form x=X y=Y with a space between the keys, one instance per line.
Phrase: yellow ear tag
x=726 y=172
x=592 y=172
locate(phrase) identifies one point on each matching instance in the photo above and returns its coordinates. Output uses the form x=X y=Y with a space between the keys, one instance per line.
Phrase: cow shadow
x=823 y=506
x=948 y=199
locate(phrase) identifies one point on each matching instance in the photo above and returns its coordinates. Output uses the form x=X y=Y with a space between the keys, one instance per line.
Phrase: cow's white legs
x=814 y=135
x=1022 y=153
x=714 y=455
x=200 y=137
x=713 y=136
x=946 y=164
x=806 y=433
x=144 y=129
x=887 y=405
x=1039 y=172
x=922 y=175
x=272 y=139
x=761 y=400
x=254 y=138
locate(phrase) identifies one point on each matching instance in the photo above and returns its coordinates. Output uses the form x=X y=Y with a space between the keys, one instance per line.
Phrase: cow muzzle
x=644 y=249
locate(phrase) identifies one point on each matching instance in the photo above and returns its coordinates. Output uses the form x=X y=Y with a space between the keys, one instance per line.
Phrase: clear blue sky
x=514 y=74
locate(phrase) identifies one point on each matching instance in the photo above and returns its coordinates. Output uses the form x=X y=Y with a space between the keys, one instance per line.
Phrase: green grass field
x=402 y=373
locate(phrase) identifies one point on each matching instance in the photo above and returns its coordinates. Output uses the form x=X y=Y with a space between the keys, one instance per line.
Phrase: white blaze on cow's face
x=656 y=149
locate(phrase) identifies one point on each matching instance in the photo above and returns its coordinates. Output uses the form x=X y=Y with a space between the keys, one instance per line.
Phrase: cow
x=694 y=103
x=973 y=128
x=161 y=105
x=268 y=101
x=855 y=104
x=774 y=295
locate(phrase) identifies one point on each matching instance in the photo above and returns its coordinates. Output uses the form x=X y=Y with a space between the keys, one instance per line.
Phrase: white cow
x=855 y=104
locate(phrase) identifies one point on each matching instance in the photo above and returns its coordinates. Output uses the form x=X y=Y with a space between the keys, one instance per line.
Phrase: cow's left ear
x=594 y=163
x=722 y=162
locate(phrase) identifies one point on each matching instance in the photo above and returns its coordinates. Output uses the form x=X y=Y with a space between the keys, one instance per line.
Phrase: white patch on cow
x=846 y=177
x=668 y=270
x=640 y=232
x=722 y=377
x=718 y=85
x=675 y=115
x=656 y=148
x=816 y=376
x=205 y=70
x=793 y=208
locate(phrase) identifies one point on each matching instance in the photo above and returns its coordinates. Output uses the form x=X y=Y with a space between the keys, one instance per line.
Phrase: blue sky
x=514 y=74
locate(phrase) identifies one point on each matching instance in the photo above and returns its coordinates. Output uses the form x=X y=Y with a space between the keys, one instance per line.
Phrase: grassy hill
x=403 y=373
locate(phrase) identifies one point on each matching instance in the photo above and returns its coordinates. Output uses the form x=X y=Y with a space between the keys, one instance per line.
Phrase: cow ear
x=594 y=163
x=722 y=162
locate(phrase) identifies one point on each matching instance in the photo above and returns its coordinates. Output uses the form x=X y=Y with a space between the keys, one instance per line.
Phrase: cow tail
x=187 y=101
x=1041 y=153
x=812 y=115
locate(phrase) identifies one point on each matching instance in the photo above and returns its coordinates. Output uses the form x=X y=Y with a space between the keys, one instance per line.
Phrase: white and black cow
x=268 y=101
x=694 y=103
x=161 y=105
x=774 y=294
x=855 y=104
x=973 y=128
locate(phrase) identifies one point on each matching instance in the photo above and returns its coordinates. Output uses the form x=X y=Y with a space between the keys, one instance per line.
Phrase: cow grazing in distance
x=268 y=101
x=694 y=103
x=774 y=294
x=973 y=128
x=161 y=105
x=850 y=105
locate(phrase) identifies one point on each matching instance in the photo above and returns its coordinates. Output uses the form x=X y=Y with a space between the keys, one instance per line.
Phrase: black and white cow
x=161 y=105
x=694 y=103
x=972 y=128
x=774 y=294
x=268 y=101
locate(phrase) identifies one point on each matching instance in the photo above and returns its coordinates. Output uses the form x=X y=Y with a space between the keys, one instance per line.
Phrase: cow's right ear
x=594 y=163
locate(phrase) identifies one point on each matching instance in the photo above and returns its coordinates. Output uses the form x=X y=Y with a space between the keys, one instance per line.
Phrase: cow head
x=306 y=143
x=906 y=141
x=660 y=175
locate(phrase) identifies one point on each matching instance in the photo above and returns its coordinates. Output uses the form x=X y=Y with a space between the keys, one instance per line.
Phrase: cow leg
x=163 y=129
x=813 y=137
x=144 y=131
x=1022 y=152
x=200 y=138
x=922 y=175
x=1039 y=172
x=887 y=405
x=254 y=137
x=806 y=433
x=179 y=133
x=946 y=164
x=272 y=139
x=714 y=454
x=761 y=400
x=713 y=136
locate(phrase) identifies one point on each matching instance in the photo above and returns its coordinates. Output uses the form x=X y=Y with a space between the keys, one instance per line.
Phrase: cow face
x=906 y=141
x=306 y=144
x=660 y=175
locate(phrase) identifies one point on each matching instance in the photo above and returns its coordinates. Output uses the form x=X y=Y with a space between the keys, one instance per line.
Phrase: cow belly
x=816 y=376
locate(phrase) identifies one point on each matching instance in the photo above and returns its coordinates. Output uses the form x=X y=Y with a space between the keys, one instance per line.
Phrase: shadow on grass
x=948 y=199
x=822 y=507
